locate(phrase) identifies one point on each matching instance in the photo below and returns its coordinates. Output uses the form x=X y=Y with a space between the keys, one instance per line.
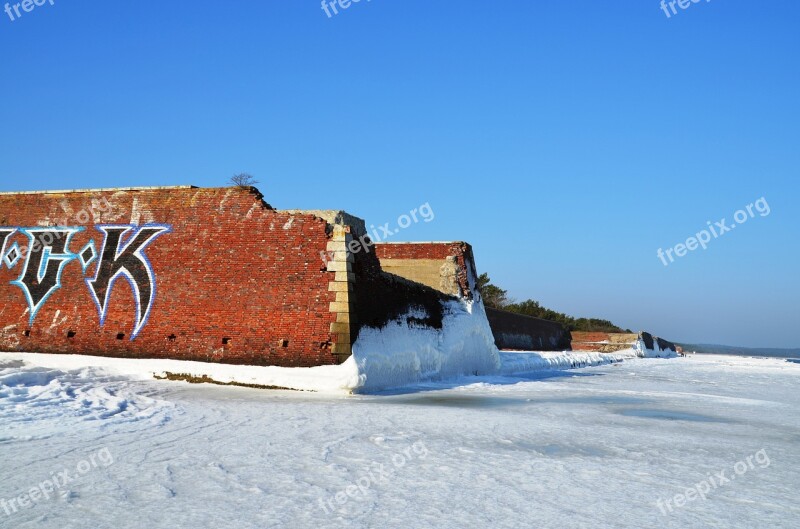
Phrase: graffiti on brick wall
x=121 y=255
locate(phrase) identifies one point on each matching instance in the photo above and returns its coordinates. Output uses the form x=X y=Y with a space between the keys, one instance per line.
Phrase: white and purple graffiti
x=121 y=255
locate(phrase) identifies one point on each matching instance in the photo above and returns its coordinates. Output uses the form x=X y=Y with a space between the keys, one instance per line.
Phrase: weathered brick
x=231 y=270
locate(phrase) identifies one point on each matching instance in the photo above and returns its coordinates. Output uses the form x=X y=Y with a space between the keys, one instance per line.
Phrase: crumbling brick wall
x=233 y=280
x=380 y=297
x=444 y=266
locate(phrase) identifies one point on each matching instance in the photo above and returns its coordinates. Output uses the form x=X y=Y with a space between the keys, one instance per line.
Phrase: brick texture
x=237 y=281
x=609 y=342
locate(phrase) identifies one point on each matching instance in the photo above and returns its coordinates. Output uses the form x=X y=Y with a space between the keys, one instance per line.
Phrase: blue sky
x=567 y=141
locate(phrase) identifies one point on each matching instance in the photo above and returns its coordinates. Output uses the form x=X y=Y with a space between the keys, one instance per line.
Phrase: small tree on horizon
x=493 y=296
x=243 y=180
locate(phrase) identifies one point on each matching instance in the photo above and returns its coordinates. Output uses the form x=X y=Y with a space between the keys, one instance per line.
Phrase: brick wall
x=602 y=342
x=235 y=280
x=609 y=342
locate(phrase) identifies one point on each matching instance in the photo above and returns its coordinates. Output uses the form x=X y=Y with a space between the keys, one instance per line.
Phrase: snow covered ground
x=592 y=447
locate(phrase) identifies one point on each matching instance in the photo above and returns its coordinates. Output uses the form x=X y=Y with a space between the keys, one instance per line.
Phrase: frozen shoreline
x=613 y=440
x=341 y=379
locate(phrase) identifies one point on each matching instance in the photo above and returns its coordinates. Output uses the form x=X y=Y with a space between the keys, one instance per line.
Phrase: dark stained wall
x=519 y=332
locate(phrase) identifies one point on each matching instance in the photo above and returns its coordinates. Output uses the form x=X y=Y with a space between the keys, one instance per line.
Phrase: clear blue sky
x=567 y=141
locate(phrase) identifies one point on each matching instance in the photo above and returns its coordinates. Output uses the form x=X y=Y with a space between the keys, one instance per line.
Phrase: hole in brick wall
x=71 y=334
x=171 y=337
x=325 y=345
x=26 y=333
x=121 y=336
x=283 y=343
x=226 y=341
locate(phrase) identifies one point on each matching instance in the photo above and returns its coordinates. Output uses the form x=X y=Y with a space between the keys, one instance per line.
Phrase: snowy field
x=591 y=447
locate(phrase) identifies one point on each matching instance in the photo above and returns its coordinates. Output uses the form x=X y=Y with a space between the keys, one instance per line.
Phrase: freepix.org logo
x=57 y=485
x=702 y=238
x=15 y=11
x=333 y=7
x=668 y=6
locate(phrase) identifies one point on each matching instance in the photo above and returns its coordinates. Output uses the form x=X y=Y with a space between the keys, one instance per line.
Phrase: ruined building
x=218 y=275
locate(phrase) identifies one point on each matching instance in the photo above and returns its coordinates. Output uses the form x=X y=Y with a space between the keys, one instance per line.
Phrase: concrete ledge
x=342 y=349
x=339 y=306
x=339 y=286
x=340 y=328
x=97 y=190
x=339 y=266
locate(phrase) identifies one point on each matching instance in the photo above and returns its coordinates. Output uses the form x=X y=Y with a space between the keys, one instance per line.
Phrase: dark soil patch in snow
x=205 y=379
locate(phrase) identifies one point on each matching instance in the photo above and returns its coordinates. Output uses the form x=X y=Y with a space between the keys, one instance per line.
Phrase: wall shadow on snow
x=495 y=380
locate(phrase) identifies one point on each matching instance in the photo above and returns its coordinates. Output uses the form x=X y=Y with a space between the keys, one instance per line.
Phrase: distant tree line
x=495 y=297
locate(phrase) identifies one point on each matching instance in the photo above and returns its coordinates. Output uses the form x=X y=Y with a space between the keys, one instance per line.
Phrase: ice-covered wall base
x=403 y=352
x=641 y=350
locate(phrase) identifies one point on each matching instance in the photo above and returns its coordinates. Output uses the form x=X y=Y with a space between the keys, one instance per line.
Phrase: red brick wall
x=231 y=267
x=582 y=336
x=589 y=341
x=411 y=250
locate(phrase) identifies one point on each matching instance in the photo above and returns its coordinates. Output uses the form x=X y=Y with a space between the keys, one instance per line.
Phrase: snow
x=36 y=400
x=520 y=363
x=324 y=379
x=401 y=353
x=593 y=447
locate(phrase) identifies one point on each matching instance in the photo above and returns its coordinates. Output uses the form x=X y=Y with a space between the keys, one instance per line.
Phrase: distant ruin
x=609 y=342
